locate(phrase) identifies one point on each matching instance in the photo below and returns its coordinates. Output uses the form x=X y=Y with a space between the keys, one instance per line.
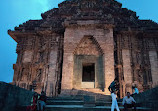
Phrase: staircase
x=97 y=93
x=95 y=101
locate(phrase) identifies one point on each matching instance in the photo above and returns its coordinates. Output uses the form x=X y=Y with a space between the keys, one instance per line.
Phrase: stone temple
x=82 y=46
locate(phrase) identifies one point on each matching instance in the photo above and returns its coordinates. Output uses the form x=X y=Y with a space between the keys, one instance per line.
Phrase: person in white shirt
x=114 y=102
x=128 y=102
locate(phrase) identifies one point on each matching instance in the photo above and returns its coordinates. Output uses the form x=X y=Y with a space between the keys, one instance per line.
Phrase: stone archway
x=88 y=64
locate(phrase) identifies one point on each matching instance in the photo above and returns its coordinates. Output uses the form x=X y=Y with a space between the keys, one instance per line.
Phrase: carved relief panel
x=27 y=56
x=88 y=47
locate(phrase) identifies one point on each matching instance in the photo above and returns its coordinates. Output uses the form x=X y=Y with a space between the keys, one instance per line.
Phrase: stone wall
x=136 y=61
x=148 y=98
x=127 y=70
x=154 y=66
x=74 y=36
x=39 y=63
x=123 y=38
x=11 y=97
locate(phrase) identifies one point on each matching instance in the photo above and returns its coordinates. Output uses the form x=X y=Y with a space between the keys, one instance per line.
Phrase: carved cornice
x=18 y=34
x=88 y=23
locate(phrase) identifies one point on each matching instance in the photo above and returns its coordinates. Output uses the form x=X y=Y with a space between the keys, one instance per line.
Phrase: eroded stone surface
x=51 y=51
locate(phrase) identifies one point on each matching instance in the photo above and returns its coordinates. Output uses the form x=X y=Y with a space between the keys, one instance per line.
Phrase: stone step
x=82 y=108
x=106 y=103
x=81 y=97
x=67 y=98
x=88 y=91
x=79 y=103
x=92 y=91
x=73 y=102
x=65 y=102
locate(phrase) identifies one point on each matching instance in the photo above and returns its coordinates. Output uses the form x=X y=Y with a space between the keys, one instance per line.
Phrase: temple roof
x=107 y=11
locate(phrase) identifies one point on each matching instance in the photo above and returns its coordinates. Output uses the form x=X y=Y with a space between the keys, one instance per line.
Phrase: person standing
x=113 y=86
x=114 y=102
x=128 y=102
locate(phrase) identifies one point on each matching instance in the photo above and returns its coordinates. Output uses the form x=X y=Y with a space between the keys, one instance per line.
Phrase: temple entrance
x=88 y=65
x=88 y=72
x=88 y=75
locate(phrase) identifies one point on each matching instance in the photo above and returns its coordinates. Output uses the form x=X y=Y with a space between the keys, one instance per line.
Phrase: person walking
x=114 y=102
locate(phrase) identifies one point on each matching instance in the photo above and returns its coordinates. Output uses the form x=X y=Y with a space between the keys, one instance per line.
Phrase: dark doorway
x=88 y=72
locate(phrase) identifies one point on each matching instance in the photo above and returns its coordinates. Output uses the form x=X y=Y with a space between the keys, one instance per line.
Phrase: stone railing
x=12 y=96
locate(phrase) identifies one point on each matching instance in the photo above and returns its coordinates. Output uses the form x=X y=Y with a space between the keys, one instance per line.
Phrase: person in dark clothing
x=42 y=101
x=33 y=107
x=113 y=86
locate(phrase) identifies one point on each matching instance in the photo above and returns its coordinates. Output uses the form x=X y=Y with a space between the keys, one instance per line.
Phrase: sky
x=15 y=12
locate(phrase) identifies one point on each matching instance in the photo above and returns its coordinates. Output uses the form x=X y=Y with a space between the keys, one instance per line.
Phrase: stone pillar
x=154 y=67
x=68 y=61
x=67 y=71
x=127 y=70
x=109 y=60
x=51 y=78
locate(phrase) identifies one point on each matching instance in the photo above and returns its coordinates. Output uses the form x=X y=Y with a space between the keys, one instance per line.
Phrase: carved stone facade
x=94 y=37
